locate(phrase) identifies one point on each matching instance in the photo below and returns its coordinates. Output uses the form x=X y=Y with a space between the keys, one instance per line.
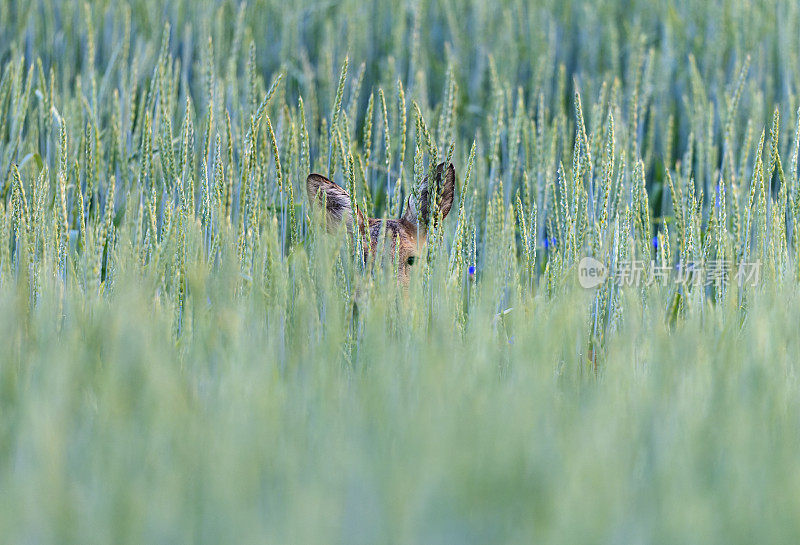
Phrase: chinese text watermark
x=638 y=272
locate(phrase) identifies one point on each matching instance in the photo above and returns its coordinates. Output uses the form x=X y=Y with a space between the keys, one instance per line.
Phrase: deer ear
x=443 y=188
x=323 y=192
x=448 y=189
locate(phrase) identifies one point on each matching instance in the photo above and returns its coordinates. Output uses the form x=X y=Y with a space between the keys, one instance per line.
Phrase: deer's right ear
x=323 y=192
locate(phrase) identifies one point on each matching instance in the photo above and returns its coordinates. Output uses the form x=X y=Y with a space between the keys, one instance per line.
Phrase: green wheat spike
x=388 y=150
x=367 y=131
x=337 y=107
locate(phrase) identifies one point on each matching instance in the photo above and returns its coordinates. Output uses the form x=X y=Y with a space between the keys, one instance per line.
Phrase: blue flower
x=472 y=270
x=655 y=243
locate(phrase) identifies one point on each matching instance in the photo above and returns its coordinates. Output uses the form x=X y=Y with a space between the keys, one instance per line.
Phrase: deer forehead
x=398 y=233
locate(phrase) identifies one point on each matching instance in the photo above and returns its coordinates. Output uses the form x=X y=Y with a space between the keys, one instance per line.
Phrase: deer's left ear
x=444 y=190
x=336 y=200
x=448 y=188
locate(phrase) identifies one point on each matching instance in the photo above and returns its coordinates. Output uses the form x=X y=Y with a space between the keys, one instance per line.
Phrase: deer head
x=404 y=237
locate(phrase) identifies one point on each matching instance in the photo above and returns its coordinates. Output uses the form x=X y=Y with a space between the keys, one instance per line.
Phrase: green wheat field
x=188 y=356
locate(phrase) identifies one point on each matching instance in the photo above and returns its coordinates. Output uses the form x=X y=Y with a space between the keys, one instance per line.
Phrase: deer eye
x=410 y=260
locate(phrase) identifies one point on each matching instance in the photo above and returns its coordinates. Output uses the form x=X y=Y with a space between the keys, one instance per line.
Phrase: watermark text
x=638 y=272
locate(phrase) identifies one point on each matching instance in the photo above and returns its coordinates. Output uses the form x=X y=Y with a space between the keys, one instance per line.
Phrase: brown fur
x=404 y=237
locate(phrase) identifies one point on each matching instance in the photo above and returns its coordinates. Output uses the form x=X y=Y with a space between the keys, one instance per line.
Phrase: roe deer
x=404 y=237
